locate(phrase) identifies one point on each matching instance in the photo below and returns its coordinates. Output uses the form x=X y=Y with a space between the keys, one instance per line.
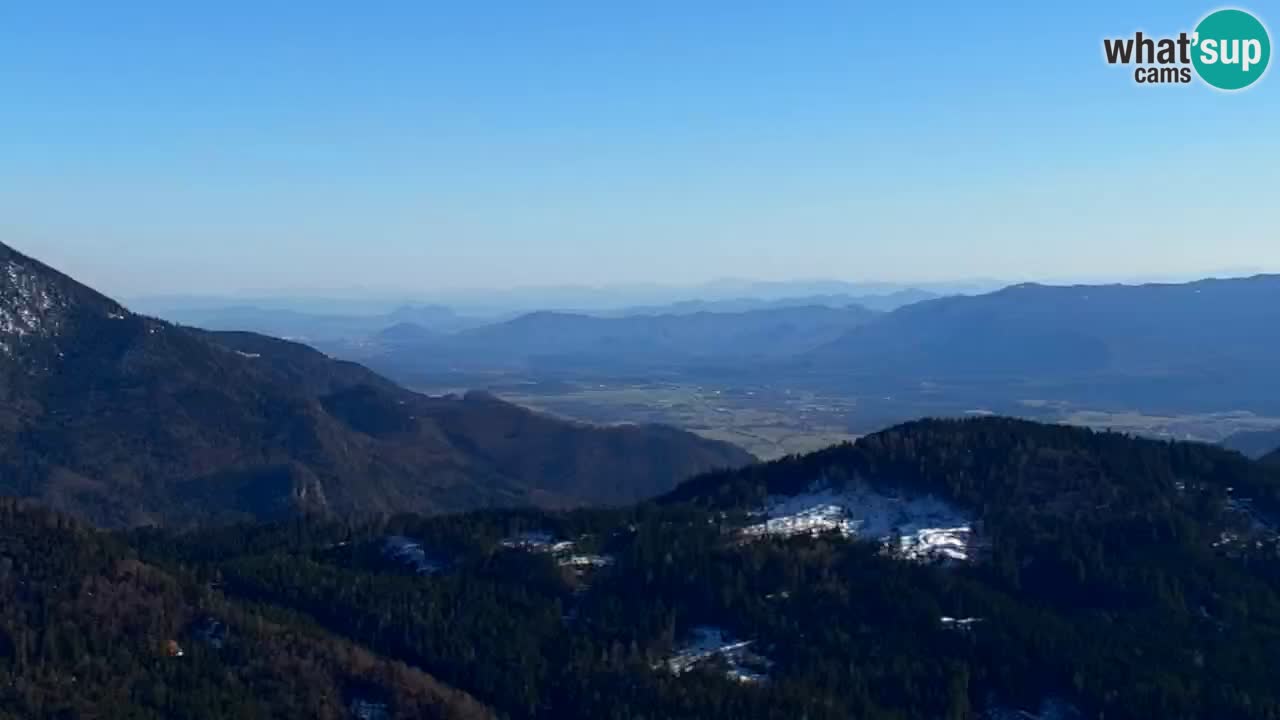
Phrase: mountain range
x=1205 y=345
x=127 y=420
x=346 y=330
x=883 y=302
x=1197 y=347
x=396 y=555
x=559 y=342
x=1172 y=349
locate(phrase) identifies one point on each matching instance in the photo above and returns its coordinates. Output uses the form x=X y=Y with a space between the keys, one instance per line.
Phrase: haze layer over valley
x=778 y=373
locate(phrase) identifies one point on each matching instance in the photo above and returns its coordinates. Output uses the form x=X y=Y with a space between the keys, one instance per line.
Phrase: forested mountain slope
x=128 y=420
x=1253 y=443
x=560 y=341
x=89 y=631
x=1273 y=458
x=940 y=569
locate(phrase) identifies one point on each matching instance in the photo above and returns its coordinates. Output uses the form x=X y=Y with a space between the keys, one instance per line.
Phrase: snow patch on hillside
x=925 y=527
x=27 y=306
x=1250 y=524
x=366 y=709
x=563 y=551
x=1050 y=709
x=408 y=551
x=536 y=542
x=709 y=644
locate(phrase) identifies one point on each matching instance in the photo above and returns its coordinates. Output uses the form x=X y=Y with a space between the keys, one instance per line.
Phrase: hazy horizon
x=152 y=148
x=588 y=298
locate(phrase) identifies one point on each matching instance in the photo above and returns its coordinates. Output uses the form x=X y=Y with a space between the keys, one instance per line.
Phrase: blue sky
x=159 y=147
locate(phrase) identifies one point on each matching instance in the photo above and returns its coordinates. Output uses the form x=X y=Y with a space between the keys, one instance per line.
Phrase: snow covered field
x=927 y=528
x=707 y=644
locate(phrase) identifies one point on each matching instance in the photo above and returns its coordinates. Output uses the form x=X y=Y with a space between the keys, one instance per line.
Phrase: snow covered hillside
x=923 y=527
x=28 y=307
x=410 y=552
x=564 y=551
x=708 y=645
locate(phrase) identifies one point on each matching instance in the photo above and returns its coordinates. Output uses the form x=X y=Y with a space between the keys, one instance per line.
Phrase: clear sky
x=159 y=147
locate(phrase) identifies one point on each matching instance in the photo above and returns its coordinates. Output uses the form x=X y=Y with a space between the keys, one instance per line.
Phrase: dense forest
x=1110 y=577
x=89 y=631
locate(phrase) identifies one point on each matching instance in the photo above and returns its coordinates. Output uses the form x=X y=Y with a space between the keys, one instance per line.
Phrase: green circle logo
x=1232 y=49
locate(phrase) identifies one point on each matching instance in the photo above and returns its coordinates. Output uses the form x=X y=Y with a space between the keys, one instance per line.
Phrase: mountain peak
x=38 y=302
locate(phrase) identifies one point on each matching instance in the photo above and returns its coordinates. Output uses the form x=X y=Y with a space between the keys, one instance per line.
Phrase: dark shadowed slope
x=86 y=630
x=1008 y=470
x=125 y=419
x=1273 y=458
x=1208 y=344
x=1254 y=443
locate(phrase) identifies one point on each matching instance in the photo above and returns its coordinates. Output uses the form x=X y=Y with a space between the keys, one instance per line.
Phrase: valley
x=766 y=422
x=636 y=361
x=1168 y=360
x=770 y=421
x=128 y=420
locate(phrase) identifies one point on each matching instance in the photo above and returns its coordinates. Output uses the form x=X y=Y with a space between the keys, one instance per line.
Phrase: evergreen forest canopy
x=1108 y=577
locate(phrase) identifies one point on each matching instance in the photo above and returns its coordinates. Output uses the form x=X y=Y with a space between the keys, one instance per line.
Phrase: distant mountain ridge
x=318 y=327
x=1206 y=344
x=322 y=319
x=882 y=302
x=571 y=340
x=128 y=420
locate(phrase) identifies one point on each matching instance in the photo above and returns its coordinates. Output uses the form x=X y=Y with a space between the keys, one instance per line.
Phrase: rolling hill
x=1205 y=345
x=127 y=420
x=568 y=341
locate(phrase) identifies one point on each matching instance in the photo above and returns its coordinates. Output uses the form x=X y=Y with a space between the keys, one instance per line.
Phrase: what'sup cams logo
x=1229 y=49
